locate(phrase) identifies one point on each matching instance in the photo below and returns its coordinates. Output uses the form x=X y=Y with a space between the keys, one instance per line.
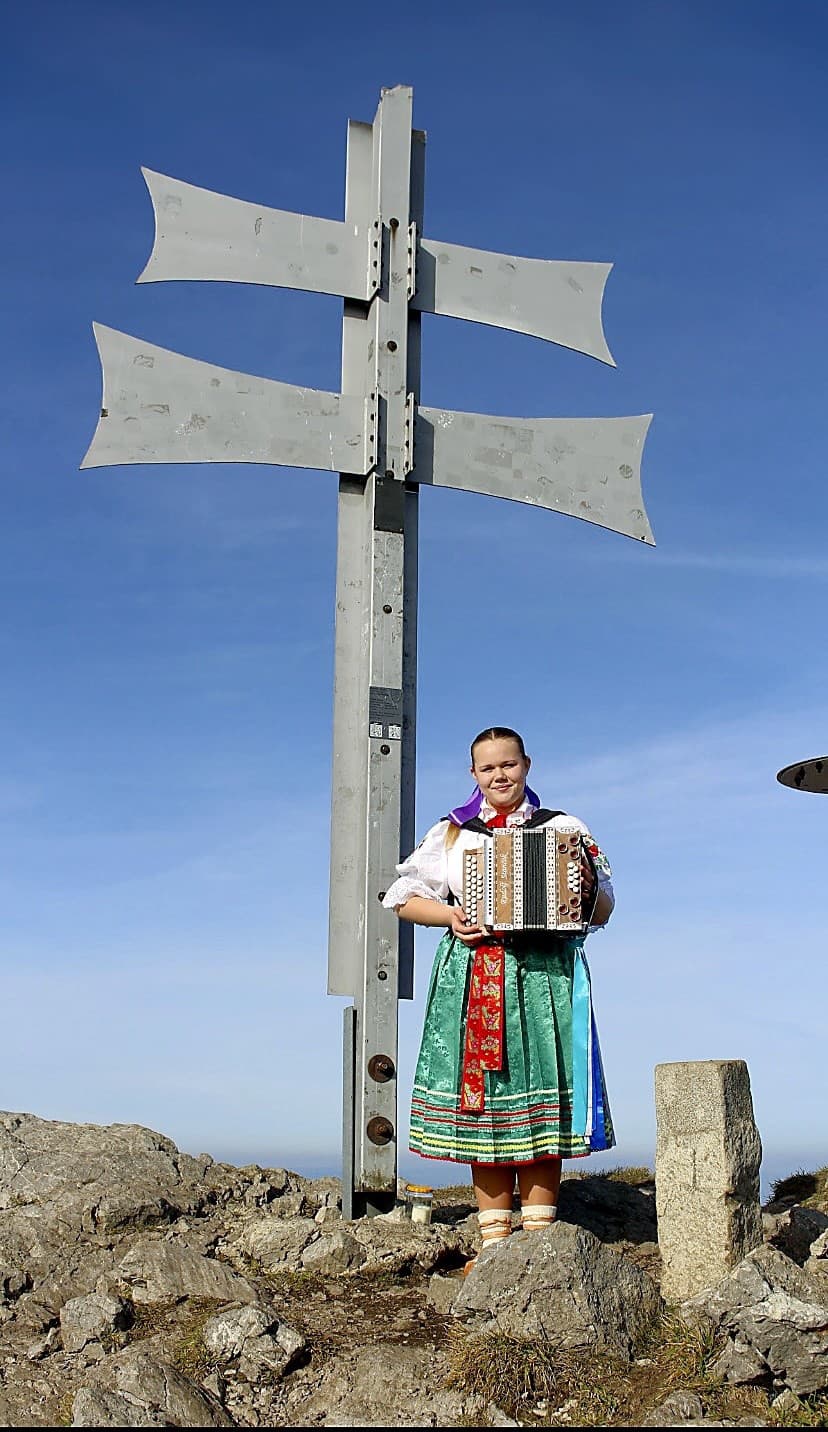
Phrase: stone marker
x=708 y=1154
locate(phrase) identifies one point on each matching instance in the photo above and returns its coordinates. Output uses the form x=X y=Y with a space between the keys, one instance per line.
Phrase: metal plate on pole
x=159 y=406
x=203 y=235
x=583 y=467
x=558 y=301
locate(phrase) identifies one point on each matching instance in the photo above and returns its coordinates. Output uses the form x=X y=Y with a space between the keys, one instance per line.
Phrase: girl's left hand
x=587 y=880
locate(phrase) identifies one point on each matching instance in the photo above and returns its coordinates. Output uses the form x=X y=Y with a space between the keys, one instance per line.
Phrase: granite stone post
x=708 y=1154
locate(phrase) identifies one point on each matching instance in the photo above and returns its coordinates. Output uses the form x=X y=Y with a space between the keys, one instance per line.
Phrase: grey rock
x=787 y=1401
x=97 y=1407
x=36 y=1351
x=442 y=1291
x=148 y=1393
x=396 y=1246
x=13 y=1283
x=156 y=1271
x=88 y=1319
x=335 y=1253
x=679 y=1407
x=610 y=1209
x=277 y=1242
x=740 y=1364
x=562 y=1285
x=771 y=1304
x=404 y=1386
x=256 y=1338
x=819 y=1247
x=328 y=1215
x=796 y=1230
x=225 y=1335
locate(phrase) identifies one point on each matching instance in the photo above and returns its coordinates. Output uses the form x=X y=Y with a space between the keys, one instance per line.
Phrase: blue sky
x=166 y=634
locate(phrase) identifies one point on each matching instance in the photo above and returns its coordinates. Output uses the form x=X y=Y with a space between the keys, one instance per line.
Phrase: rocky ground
x=142 y=1287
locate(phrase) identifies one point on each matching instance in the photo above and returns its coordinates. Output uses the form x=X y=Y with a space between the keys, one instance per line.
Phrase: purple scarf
x=462 y=813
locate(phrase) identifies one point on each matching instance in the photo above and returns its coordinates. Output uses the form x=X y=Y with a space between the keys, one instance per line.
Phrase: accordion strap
x=538 y=817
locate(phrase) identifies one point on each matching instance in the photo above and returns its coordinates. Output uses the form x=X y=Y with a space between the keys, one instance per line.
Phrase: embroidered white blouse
x=433 y=870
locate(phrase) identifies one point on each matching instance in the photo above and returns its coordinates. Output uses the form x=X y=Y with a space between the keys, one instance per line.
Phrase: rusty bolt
x=379 y=1130
x=381 y=1068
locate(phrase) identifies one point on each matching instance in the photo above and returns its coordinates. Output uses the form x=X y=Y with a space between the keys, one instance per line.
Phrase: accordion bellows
x=526 y=880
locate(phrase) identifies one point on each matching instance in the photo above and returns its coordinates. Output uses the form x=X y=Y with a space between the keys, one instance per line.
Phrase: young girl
x=509 y=1077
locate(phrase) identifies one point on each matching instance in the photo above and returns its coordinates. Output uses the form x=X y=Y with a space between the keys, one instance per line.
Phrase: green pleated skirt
x=528 y=1103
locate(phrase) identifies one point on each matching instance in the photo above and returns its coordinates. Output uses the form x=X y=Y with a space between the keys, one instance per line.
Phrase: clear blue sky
x=166 y=635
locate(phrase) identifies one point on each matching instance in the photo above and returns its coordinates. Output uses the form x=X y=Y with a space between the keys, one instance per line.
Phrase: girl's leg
x=493 y=1186
x=540 y=1184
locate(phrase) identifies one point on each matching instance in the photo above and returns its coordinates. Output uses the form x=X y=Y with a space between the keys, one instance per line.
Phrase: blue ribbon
x=582 y=1074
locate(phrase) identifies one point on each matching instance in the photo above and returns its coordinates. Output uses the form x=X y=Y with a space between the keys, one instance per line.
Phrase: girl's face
x=500 y=771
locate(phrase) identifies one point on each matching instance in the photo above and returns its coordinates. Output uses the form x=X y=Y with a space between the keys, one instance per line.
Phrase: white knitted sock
x=495 y=1225
x=538 y=1215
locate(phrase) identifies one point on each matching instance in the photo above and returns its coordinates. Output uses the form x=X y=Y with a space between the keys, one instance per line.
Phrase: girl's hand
x=587 y=881
x=462 y=927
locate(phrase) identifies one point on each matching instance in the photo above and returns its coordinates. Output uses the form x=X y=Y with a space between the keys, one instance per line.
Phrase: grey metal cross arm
x=160 y=406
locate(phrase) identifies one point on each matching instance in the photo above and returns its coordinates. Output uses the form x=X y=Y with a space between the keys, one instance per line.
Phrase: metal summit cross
x=159 y=406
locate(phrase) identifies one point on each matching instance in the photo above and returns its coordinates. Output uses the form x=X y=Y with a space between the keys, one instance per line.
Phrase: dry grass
x=632 y=1175
x=809 y=1189
x=513 y=1372
x=812 y=1412
x=188 y=1353
x=538 y=1383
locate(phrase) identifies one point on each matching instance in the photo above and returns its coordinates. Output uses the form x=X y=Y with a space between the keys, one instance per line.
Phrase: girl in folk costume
x=509 y=1077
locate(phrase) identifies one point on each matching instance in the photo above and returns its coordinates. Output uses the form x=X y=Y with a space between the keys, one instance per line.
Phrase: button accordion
x=526 y=880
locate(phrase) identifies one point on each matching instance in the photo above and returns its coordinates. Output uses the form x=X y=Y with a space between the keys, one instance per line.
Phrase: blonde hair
x=452 y=834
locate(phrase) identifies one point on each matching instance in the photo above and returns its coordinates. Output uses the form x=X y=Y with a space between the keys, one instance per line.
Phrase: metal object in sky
x=811 y=775
x=160 y=406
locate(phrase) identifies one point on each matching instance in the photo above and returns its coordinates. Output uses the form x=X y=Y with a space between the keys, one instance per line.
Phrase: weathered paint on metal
x=547 y=298
x=582 y=467
x=159 y=406
x=203 y=235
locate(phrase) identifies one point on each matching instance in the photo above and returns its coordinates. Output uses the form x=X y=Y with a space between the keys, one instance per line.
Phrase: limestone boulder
x=136 y=1389
x=562 y=1285
x=276 y=1242
x=88 y=1319
x=254 y=1336
x=156 y=1271
x=796 y=1229
x=404 y=1386
x=334 y=1253
x=776 y=1319
x=393 y=1244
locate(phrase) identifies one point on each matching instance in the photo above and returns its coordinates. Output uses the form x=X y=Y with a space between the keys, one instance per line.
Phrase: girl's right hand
x=462 y=927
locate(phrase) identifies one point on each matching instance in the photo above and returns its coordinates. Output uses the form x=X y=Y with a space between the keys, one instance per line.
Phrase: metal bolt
x=387 y=610
x=385 y=750
x=380 y=894
x=394 y=223
x=392 y=346
x=381 y=1068
x=382 y=974
x=379 y=1130
x=389 y=472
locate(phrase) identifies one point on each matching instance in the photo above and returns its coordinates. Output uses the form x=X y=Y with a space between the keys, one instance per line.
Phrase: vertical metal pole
x=375 y=1142
x=374 y=707
x=348 y=1065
